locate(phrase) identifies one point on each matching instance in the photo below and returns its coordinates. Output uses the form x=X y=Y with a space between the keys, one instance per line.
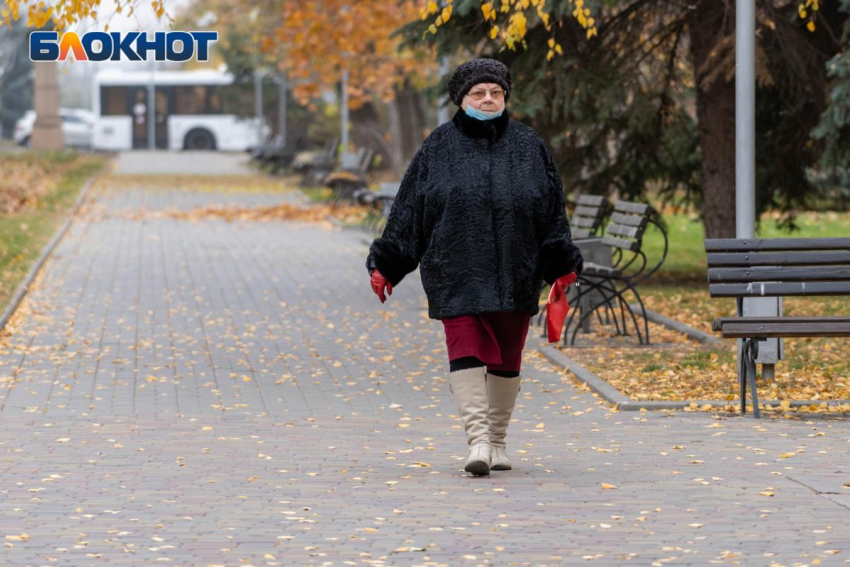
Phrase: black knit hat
x=477 y=71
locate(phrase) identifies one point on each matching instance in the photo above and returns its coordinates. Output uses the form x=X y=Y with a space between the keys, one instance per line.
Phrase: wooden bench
x=271 y=141
x=586 y=224
x=314 y=166
x=602 y=286
x=742 y=268
x=281 y=155
x=349 y=182
x=587 y=218
x=382 y=204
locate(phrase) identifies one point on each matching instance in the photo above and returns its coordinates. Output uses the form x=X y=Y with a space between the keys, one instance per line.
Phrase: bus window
x=201 y=99
x=113 y=101
x=213 y=101
x=189 y=100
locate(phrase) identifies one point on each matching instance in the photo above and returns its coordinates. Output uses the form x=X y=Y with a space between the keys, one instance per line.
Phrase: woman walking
x=481 y=211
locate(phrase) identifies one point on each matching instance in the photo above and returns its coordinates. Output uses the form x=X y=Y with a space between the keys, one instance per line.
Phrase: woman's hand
x=379 y=283
x=559 y=287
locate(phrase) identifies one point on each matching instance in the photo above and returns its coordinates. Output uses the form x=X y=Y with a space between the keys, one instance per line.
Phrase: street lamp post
x=443 y=108
x=151 y=109
x=281 y=107
x=770 y=350
x=344 y=96
x=443 y=111
x=344 y=112
x=745 y=98
x=258 y=101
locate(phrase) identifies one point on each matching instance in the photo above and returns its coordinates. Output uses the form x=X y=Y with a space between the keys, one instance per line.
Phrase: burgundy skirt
x=497 y=339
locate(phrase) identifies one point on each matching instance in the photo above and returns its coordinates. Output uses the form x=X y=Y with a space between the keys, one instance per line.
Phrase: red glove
x=557 y=306
x=560 y=286
x=379 y=282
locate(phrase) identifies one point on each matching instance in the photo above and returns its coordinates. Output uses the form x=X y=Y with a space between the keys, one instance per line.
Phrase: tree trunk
x=369 y=131
x=412 y=121
x=710 y=21
x=396 y=136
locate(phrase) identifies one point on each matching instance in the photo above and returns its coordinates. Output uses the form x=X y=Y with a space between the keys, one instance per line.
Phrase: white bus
x=189 y=112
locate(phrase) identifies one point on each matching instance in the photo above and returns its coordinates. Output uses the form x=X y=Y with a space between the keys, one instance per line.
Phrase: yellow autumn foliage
x=62 y=14
x=352 y=36
x=520 y=12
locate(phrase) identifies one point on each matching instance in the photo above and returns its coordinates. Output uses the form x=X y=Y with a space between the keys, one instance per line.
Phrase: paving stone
x=211 y=392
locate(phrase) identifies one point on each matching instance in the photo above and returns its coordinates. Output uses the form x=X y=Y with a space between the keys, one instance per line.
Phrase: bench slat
x=775 y=244
x=630 y=245
x=776 y=289
x=778 y=274
x=628 y=220
x=630 y=207
x=583 y=222
x=770 y=327
x=578 y=233
x=591 y=269
x=627 y=231
x=592 y=212
x=590 y=200
x=717 y=259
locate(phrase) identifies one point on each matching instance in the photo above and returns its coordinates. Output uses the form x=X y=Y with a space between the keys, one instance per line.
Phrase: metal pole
x=258 y=102
x=770 y=351
x=87 y=91
x=344 y=112
x=151 y=109
x=281 y=109
x=443 y=111
x=745 y=120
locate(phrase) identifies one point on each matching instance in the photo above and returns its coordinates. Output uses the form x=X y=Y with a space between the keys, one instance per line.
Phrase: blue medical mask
x=480 y=114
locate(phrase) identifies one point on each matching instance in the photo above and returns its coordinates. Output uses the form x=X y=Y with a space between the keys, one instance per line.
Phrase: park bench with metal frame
x=585 y=223
x=381 y=205
x=314 y=166
x=607 y=286
x=743 y=268
x=282 y=155
x=270 y=141
x=266 y=151
x=349 y=183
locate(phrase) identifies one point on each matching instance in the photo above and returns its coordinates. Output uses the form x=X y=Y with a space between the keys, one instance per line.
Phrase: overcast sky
x=143 y=18
x=76 y=76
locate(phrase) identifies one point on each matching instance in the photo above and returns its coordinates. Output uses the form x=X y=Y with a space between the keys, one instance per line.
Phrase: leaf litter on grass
x=675 y=368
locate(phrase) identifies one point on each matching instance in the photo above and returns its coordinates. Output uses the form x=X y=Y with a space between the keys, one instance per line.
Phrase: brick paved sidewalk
x=212 y=393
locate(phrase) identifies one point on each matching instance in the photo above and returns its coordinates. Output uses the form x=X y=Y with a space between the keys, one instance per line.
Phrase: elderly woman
x=481 y=211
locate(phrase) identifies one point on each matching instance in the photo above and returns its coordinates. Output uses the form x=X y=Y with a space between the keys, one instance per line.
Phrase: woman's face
x=492 y=97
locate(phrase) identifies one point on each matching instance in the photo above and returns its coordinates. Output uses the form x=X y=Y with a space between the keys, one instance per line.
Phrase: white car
x=77 y=125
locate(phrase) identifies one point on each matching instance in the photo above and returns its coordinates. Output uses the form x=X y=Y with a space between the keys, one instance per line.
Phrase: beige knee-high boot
x=502 y=393
x=469 y=387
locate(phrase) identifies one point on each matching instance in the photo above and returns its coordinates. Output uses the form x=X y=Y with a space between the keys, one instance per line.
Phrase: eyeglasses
x=496 y=94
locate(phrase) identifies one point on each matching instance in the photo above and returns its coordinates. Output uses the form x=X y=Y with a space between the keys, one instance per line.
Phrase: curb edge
x=23 y=287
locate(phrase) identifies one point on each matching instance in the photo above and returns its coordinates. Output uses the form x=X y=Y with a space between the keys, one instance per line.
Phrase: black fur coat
x=481 y=211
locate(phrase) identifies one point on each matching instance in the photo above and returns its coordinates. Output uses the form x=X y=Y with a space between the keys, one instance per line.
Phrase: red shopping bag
x=557 y=310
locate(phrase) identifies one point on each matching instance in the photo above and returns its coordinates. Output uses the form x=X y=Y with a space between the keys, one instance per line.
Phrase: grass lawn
x=686 y=256
x=318 y=194
x=26 y=231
